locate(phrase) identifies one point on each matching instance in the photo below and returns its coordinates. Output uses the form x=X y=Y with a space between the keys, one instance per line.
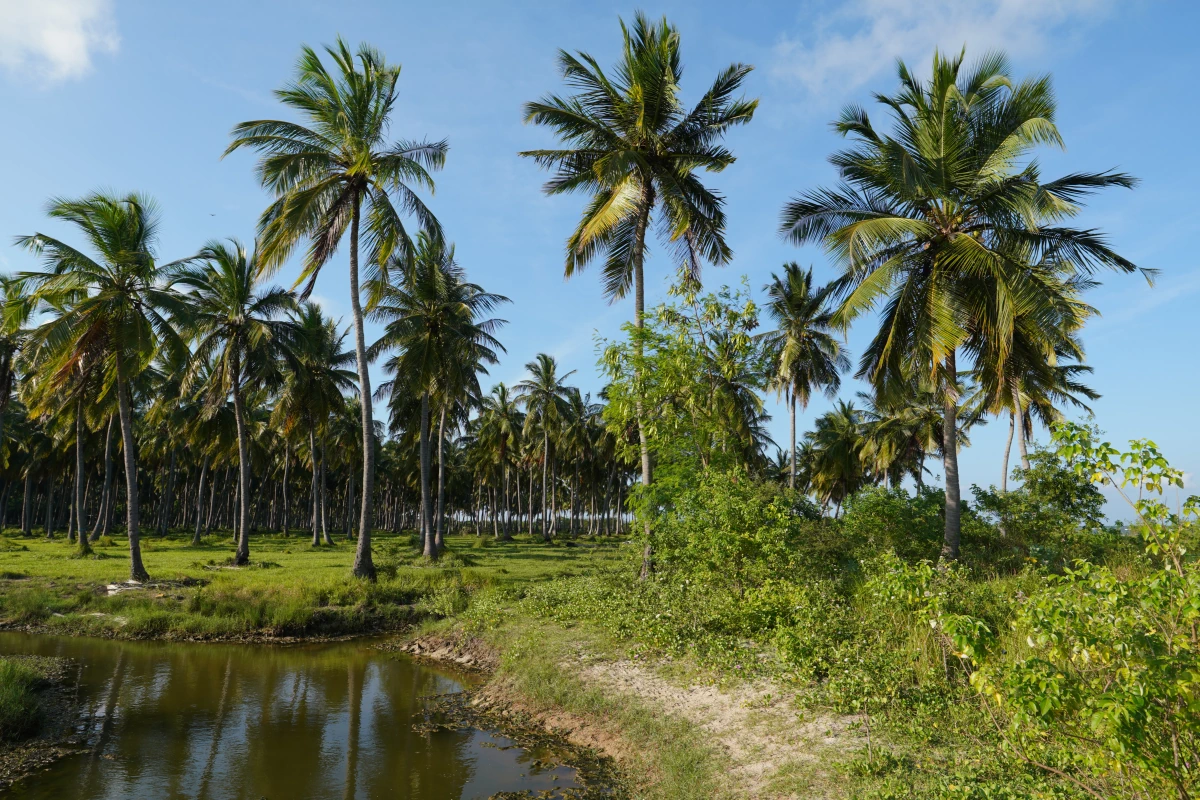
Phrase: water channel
x=255 y=722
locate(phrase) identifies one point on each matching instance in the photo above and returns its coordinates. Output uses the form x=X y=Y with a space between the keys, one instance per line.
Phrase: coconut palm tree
x=835 y=469
x=546 y=399
x=313 y=390
x=500 y=428
x=337 y=171
x=116 y=305
x=439 y=341
x=240 y=333
x=629 y=141
x=947 y=224
x=803 y=350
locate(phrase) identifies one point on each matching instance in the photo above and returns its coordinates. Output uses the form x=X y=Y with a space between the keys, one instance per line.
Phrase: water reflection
x=217 y=722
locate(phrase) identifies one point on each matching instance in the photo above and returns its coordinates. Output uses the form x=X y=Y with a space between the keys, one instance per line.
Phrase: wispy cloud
x=849 y=46
x=50 y=41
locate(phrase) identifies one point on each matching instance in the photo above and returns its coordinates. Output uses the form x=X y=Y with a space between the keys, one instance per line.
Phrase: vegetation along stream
x=342 y=720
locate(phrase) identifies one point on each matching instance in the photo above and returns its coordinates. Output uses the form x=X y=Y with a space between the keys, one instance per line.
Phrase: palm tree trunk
x=169 y=497
x=507 y=507
x=430 y=548
x=50 y=487
x=316 y=492
x=324 y=490
x=242 y=556
x=364 y=566
x=530 y=503
x=85 y=547
x=439 y=541
x=953 y=531
x=792 y=410
x=137 y=571
x=553 y=497
x=287 y=460
x=1019 y=417
x=1007 y=449
x=200 y=502
x=639 y=322
x=545 y=486
x=27 y=505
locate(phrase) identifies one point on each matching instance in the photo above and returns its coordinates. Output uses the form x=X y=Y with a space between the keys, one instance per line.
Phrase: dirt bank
x=770 y=747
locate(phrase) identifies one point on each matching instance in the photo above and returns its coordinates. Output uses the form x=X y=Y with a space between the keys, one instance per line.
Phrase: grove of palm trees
x=194 y=449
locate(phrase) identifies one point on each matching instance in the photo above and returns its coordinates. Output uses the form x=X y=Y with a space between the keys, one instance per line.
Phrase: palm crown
x=634 y=146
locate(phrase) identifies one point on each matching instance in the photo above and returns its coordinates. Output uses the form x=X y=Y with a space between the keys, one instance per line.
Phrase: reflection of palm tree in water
x=109 y=710
x=222 y=705
x=354 y=694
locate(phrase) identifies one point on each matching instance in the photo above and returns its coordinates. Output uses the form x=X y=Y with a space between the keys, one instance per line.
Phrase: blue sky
x=141 y=96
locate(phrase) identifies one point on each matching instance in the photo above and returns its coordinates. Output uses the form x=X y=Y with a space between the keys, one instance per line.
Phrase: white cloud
x=849 y=46
x=54 y=40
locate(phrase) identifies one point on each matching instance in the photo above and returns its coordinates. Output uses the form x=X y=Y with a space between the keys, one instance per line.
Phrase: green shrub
x=19 y=705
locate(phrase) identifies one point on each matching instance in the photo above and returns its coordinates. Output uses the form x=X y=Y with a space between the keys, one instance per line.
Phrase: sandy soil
x=758 y=725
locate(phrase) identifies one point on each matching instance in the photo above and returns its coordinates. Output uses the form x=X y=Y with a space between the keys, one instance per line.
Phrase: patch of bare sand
x=758 y=725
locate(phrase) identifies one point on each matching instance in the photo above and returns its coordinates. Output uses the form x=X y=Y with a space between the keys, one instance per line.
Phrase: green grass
x=289 y=589
x=19 y=706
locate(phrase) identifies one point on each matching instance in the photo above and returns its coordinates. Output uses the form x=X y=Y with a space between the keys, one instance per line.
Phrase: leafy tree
x=328 y=175
x=948 y=224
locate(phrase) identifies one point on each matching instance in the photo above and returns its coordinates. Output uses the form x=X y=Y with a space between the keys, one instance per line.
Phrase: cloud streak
x=849 y=46
x=50 y=41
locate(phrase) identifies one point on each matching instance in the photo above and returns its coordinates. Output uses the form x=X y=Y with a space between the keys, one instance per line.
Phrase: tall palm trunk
x=106 y=495
x=27 y=505
x=324 y=490
x=792 y=412
x=85 y=548
x=1019 y=417
x=440 y=540
x=364 y=566
x=430 y=549
x=200 y=502
x=242 y=556
x=1007 y=449
x=137 y=571
x=545 y=486
x=168 y=497
x=639 y=322
x=953 y=531
x=316 y=491
x=287 y=460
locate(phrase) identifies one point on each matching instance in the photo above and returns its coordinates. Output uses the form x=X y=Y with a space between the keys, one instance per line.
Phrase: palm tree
x=116 y=306
x=546 y=400
x=835 y=468
x=500 y=426
x=433 y=326
x=330 y=174
x=239 y=338
x=948 y=224
x=631 y=143
x=312 y=390
x=1036 y=368
x=803 y=351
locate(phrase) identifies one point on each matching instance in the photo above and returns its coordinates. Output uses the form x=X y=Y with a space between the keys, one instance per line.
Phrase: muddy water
x=215 y=721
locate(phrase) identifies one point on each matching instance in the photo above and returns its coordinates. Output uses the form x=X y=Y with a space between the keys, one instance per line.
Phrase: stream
x=262 y=722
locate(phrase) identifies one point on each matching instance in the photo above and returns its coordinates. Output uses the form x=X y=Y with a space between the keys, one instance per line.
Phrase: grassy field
x=289 y=589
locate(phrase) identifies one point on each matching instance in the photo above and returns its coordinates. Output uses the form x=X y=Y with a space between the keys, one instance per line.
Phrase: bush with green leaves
x=1107 y=692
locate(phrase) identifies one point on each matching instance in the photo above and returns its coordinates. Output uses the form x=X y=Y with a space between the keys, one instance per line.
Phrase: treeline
x=229 y=402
